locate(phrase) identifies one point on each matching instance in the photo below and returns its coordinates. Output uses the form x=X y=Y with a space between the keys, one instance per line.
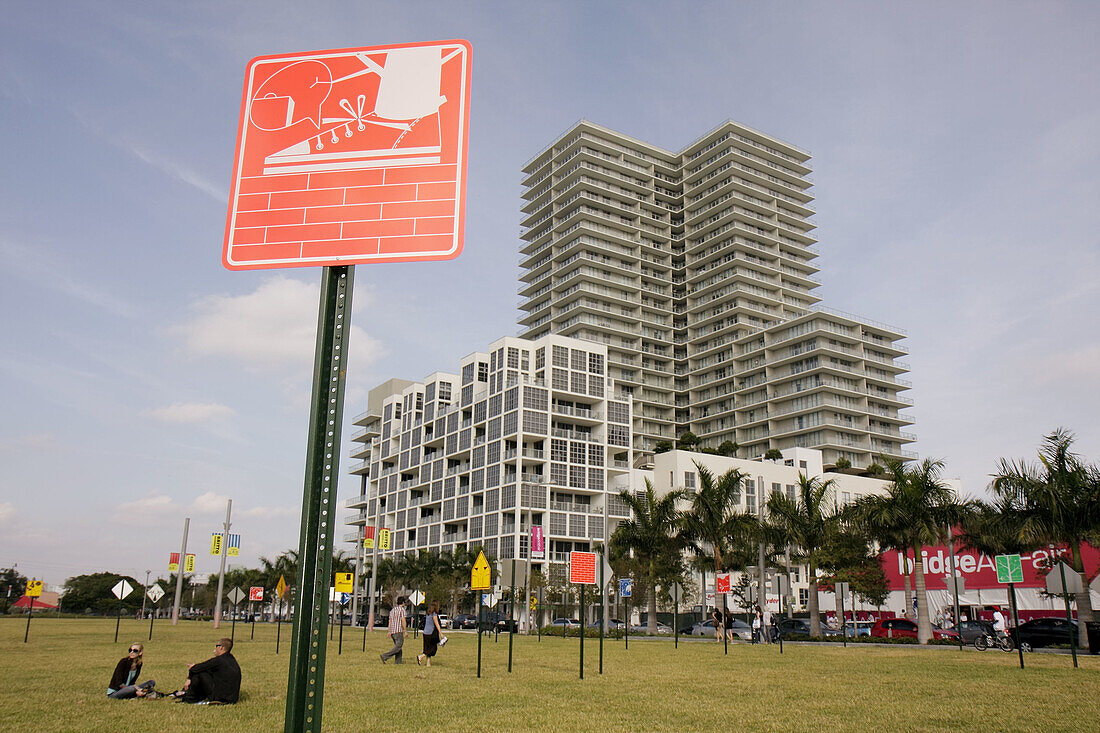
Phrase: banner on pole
x=383 y=539
x=189 y=563
x=368 y=538
x=174 y=562
x=722 y=583
x=538 y=543
x=234 y=545
x=215 y=543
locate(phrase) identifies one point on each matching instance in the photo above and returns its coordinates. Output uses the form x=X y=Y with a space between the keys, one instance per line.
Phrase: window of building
x=560 y=356
x=595 y=363
x=482 y=372
x=689 y=479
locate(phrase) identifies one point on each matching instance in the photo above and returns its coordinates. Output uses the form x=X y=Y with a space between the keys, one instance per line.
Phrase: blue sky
x=957 y=167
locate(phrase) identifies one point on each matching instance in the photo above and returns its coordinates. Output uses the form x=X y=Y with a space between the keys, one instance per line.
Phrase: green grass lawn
x=57 y=682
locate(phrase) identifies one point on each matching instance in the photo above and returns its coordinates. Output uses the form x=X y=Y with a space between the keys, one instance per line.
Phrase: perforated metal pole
x=306 y=679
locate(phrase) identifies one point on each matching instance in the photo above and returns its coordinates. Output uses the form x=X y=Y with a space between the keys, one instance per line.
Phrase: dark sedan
x=1044 y=632
x=971 y=630
x=464 y=621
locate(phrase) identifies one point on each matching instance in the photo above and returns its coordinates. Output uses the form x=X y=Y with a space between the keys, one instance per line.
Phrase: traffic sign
x=351 y=156
x=122 y=589
x=344 y=582
x=504 y=572
x=488 y=599
x=34 y=588
x=582 y=567
x=281 y=588
x=155 y=592
x=676 y=590
x=344 y=598
x=605 y=568
x=1054 y=580
x=416 y=597
x=534 y=603
x=722 y=583
x=235 y=595
x=256 y=593
x=1009 y=569
x=481 y=575
x=626 y=587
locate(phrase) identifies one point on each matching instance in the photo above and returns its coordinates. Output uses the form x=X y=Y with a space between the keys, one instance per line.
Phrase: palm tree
x=1056 y=500
x=712 y=525
x=916 y=511
x=650 y=536
x=808 y=521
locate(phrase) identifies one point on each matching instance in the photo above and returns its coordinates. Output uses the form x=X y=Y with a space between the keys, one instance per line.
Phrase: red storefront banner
x=977 y=569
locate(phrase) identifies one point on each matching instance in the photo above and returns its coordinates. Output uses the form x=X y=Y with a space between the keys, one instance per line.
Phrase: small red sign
x=256 y=593
x=582 y=567
x=722 y=583
x=351 y=156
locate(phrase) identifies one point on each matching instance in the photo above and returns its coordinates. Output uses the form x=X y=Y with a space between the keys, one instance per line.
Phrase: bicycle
x=999 y=639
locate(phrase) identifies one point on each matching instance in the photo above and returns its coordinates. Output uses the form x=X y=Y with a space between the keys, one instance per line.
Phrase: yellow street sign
x=280 y=589
x=343 y=583
x=534 y=603
x=481 y=576
x=34 y=588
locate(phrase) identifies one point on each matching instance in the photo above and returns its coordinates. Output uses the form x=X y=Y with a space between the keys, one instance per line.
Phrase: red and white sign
x=979 y=571
x=722 y=583
x=256 y=593
x=351 y=156
x=582 y=567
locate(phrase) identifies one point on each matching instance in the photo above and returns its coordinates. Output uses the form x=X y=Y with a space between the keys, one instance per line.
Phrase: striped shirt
x=397 y=620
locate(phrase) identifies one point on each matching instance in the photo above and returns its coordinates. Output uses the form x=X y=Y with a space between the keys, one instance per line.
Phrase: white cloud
x=272 y=328
x=177 y=170
x=181 y=412
x=7 y=512
x=209 y=503
x=149 y=508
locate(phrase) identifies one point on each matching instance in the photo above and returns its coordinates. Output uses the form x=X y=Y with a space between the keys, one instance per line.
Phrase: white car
x=444 y=621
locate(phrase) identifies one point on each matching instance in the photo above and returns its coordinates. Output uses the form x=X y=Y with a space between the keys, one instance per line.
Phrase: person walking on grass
x=431 y=635
x=397 y=630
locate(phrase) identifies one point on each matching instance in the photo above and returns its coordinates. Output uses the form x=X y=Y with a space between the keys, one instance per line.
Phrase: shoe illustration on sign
x=366 y=123
x=350 y=156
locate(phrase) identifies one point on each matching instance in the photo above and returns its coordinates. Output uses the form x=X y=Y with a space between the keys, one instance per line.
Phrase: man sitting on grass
x=217 y=680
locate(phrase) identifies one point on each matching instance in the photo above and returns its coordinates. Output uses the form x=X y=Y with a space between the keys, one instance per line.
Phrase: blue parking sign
x=626 y=587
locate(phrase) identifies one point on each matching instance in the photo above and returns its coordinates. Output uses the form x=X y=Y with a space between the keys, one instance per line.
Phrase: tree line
x=1052 y=501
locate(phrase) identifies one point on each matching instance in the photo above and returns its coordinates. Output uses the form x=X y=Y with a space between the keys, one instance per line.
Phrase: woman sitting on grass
x=123 y=682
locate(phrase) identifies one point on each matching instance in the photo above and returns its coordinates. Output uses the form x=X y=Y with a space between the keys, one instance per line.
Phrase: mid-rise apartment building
x=528 y=433
x=696 y=270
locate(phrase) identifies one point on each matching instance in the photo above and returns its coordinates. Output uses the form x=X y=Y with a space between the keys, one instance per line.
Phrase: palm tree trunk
x=651 y=622
x=811 y=602
x=924 y=625
x=1084 y=600
x=908 y=583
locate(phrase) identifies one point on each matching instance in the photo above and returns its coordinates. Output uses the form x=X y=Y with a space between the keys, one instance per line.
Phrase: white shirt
x=998 y=621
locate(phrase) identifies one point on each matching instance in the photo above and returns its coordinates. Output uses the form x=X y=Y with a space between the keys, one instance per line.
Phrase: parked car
x=569 y=623
x=859 y=628
x=499 y=622
x=892 y=627
x=464 y=621
x=701 y=628
x=444 y=621
x=644 y=629
x=1044 y=632
x=613 y=624
x=971 y=630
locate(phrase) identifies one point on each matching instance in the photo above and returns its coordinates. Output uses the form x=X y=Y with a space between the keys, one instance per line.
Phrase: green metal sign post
x=1010 y=570
x=306 y=679
x=1069 y=615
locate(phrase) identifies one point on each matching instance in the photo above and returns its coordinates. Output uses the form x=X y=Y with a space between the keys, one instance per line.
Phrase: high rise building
x=529 y=433
x=696 y=270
